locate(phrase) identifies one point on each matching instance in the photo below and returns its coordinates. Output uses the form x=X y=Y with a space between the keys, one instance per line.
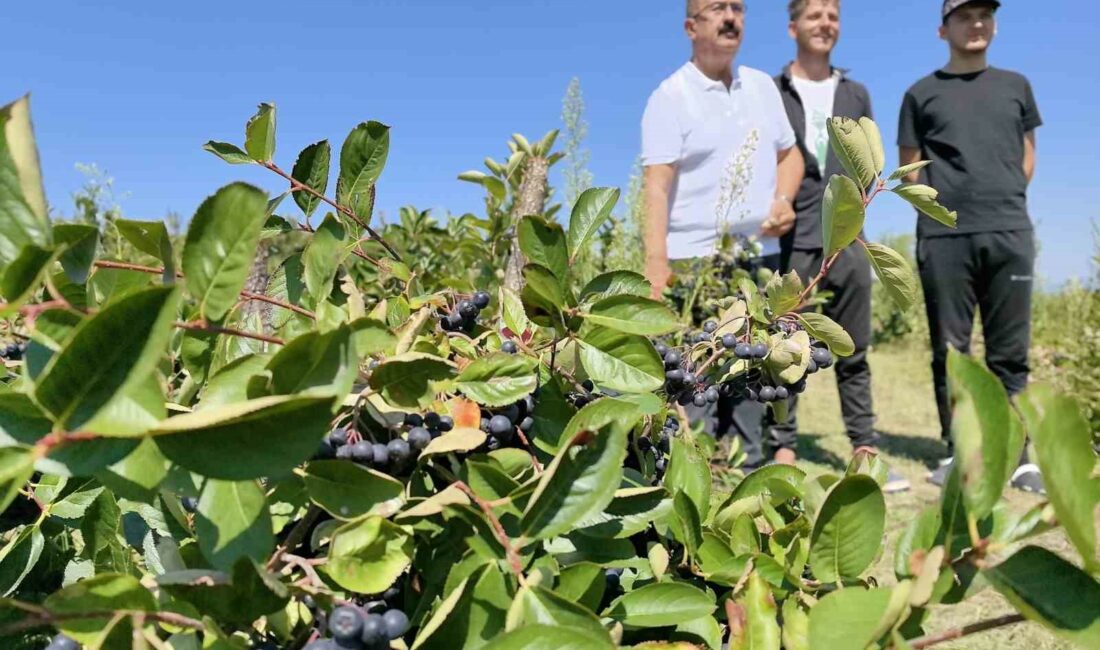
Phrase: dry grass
x=910 y=442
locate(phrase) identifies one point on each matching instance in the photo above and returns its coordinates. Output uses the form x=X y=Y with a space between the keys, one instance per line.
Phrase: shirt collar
x=841 y=74
x=705 y=83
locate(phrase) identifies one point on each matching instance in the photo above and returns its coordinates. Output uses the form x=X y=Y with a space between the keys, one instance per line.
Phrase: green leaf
x=80 y=241
x=23 y=219
x=592 y=209
x=842 y=214
x=367 y=556
x=687 y=527
x=548 y=637
x=849 y=141
x=151 y=238
x=905 y=170
x=233 y=522
x=311 y=170
x=230 y=384
x=22 y=277
x=361 y=161
x=620 y=361
x=849 y=619
x=16 y=466
x=498 y=379
x=543 y=243
x=543 y=295
x=103 y=593
x=107 y=354
x=221 y=242
x=316 y=364
x=583 y=583
x=987 y=444
x=847 y=534
x=349 y=491
x=1063 y=447
x=139 y=474
x=874 y=141
x=236 y=599
x=478 y=615
x=322 y=257
x=18 y=557
x=262 y=437
x=633 y=315
x=541 y=606
x=408 y=380
x=616 y=283
x=259 y=134
x=661 y=604
x=796 y=626
x=782 y=293
x=689 y=471
x=461 y=439
x=923 y=198
x=826 y=330
x=230 y=153
x=1049 y=590
x=894 y=273
x=511 y=308
x=582 y=478
x=758 y=629
x=919 y=536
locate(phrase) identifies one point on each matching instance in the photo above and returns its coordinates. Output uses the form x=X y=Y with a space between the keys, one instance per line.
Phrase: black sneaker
x=1027 y=478
x=938 y=476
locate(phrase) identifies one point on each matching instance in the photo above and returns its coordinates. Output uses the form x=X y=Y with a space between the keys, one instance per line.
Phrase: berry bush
x=400 y=449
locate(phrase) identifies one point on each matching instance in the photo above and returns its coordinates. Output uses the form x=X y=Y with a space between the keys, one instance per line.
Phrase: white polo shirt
x=724 y=144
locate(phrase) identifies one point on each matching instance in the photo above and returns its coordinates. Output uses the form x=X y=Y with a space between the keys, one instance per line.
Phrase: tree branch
x=200 y=326
x=296 y=186
x=46 y=617
x=966 y=630
x=498 y=530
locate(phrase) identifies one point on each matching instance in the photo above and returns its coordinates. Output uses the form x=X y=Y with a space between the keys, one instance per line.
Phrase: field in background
x=910 y=442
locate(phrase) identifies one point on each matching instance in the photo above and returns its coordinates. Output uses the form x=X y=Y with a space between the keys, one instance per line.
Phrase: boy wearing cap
x=976 y=123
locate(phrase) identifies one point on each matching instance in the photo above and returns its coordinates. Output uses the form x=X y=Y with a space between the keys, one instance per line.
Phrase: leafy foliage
x=407 y=453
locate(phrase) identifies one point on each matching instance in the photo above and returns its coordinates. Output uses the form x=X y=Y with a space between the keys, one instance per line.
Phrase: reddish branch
x=498 y=530
x=296 y=186
x=200 y=326
x=42 y=617
x=244 y=294
x=966 y=630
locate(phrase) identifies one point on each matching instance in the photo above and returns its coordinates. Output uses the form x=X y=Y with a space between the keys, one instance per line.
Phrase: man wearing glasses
x=813 y=90
x=976 y=123
x=718 y=155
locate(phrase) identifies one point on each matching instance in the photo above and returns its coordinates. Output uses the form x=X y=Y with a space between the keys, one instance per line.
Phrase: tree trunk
x=531 y=200
x=258 y=278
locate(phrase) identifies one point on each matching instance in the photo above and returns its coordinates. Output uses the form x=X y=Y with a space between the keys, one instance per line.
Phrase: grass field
x=910 y=442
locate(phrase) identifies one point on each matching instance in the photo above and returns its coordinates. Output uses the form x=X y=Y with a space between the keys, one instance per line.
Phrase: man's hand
x=781 y=218
x=658 y=272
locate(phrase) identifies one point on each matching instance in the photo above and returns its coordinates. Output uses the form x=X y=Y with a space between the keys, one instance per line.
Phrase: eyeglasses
x=719 y=8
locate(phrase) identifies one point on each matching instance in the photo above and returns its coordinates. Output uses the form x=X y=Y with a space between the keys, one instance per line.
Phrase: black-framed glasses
x=719 y=8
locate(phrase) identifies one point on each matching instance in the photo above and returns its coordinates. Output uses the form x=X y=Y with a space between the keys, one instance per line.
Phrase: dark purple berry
x=782 y=392
x=419 y=437
x=742 y=351
x=672 y=359
x=509 y=347
x=527 y=424
x=363 y=452
x=759 y=350
x=414 y=419
x=481 y=299
x=396 y=623
x=662 y=349
x=467 y=309
x=62 y=642
x=345 y=624
x=699 y=400
x=190 y=504
x=711 y=395
x=345 y=452
x=729 y=341
x=338 y=437
x=453 y=320
x=374 y=629
x=398 y=450
x=499 y=425
x=381 y=455
x=431 y=420
x=675 y=376
x=446 y=423
x=710 y=327
x=767 y=394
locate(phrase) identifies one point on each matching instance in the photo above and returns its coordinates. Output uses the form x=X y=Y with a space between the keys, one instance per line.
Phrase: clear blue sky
x=137 y=87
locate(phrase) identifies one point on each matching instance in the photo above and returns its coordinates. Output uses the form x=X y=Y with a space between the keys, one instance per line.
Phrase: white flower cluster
x=735 y=181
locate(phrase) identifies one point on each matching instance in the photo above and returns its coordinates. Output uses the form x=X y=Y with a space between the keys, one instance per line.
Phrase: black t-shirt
x=971 y=126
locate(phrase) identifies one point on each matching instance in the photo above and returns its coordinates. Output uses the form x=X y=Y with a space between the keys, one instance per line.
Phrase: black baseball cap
x=952 y=5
